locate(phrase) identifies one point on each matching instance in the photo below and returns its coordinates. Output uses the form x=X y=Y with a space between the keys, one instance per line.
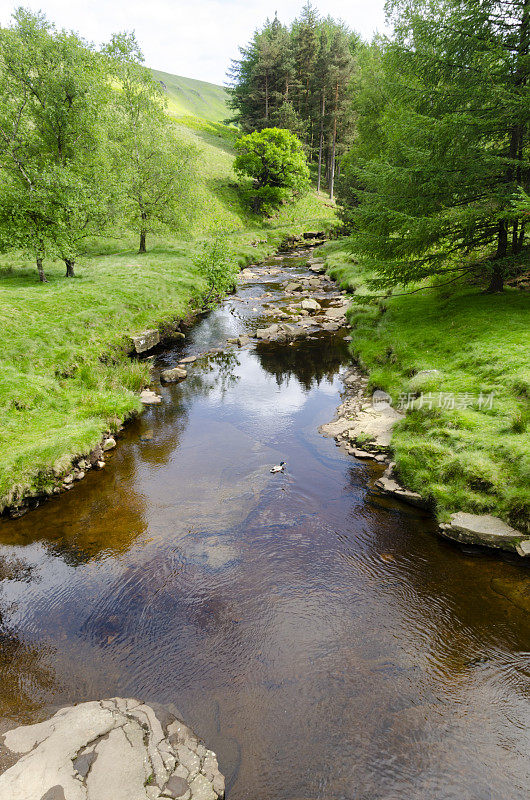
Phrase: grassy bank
x=64 y=373
x=474 y=456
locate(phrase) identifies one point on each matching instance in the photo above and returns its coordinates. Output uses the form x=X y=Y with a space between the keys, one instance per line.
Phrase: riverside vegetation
x=66 y=375
x=432 y=185
x=423 y=136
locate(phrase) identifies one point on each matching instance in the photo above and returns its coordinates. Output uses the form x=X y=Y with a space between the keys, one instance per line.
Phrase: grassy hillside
x=188 y=97
x=64 y=373
x=445 y=348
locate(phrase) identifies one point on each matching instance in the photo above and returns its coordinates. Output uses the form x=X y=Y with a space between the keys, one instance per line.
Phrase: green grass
x=65 y=376
x=188 y=97
x=466 y=458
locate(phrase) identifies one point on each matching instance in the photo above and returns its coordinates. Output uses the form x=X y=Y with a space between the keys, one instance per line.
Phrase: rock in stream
x=118 y=749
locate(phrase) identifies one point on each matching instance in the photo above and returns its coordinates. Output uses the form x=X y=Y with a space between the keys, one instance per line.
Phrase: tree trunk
x=69 y=267
x=497 y=280
x=502 y=240
x=321 y=142
x=332 y=173
x=143 y=231
x=40 y=270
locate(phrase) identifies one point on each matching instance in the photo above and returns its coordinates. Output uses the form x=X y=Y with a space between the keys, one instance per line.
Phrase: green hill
x=187 y=97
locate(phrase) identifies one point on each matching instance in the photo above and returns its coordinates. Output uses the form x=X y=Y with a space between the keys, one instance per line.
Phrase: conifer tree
x=453 y=144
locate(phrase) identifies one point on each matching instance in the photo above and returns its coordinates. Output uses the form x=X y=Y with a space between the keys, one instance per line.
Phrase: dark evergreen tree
x=437 y=197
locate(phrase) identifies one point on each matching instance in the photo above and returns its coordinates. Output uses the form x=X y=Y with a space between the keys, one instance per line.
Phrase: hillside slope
x=188 y=97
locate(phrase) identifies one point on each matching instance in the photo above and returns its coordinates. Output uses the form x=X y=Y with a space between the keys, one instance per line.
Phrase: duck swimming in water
x=279 y=467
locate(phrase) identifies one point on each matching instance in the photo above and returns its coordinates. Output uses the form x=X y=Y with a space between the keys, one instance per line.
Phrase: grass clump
x=451 y=349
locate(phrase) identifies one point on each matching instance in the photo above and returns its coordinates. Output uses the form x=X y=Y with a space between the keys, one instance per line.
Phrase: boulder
x=149 y=398
x=484 y=529
x=173 y=375
x=188 y=360
x=109 y=443
x=243 y=340
x=311 y=305
x=294 y=286
x=145 y=341
x=337 y=313
x=267 y=333
x=118 y=749
x=387 y=484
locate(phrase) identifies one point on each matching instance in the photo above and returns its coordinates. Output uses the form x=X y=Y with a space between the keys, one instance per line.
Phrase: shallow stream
x=320 y=638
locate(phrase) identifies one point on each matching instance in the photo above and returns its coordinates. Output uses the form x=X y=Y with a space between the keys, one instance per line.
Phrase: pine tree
x=438 y=195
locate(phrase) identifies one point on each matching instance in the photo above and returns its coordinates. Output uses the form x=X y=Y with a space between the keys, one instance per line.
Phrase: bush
x=275 y=160
x=216 y=265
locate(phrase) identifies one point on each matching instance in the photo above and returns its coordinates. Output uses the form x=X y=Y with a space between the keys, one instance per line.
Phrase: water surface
x=320 y=638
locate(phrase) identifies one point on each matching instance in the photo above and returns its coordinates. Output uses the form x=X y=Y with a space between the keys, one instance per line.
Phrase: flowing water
x=320 y=638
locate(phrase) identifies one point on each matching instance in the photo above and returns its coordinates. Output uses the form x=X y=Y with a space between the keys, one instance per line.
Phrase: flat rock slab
x=373 y=425
x=145 y=341
x=118 y=749
x=337 y=313
x=486 y=530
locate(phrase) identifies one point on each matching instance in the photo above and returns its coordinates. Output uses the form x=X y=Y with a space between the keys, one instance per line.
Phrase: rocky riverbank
x=68 y=471
x=117 y=749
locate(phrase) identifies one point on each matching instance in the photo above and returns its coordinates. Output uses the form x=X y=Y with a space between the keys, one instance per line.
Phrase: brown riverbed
x=320 y=638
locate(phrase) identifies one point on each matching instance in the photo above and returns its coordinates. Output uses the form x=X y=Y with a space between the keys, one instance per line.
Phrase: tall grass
x=466 y=457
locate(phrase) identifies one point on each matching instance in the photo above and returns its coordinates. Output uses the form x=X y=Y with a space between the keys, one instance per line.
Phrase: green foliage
x=216 y=264
x=155 y=169
x=298 y=78
x=55 y=183
x=430 y=181
x=275 y=160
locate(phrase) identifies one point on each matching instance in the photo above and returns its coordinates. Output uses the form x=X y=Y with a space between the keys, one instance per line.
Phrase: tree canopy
x=85 y=143
x=442 y=143
x=275 y=160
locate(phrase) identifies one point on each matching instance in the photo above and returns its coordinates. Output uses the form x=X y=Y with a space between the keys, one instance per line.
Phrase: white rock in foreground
x=118 y=749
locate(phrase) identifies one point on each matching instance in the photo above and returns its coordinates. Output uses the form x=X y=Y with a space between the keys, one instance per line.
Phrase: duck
x=279 y=467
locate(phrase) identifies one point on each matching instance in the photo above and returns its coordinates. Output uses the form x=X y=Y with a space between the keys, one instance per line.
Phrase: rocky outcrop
x=361 y=423
x=483 y=529
x=118 y=749
x=145 y=341
x=389 y=485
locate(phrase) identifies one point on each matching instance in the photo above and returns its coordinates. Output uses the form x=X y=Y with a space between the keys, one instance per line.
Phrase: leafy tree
x=156 y=169
x=53 y=94
x=218 y=267
x=275 y=160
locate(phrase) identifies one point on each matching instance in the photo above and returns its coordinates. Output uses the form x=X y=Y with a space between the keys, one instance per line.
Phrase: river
x=320 y=638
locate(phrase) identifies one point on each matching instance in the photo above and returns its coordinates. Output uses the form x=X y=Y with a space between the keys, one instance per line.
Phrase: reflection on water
x=319 y=637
